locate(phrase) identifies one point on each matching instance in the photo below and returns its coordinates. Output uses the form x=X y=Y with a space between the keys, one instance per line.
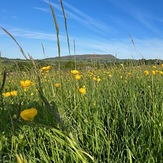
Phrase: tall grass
x=118 y=119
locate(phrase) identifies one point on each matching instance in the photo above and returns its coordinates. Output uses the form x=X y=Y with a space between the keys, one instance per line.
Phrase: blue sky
x=97 y=26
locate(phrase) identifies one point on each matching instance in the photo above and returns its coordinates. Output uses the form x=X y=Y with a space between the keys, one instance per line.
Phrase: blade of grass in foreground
x=66 y=28
x=57 y=32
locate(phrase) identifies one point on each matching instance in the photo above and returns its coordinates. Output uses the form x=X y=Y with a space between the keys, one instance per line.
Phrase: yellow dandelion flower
x=57 y=84
x=161 y=72
x=25 y=84
x=45 y=69
x=28 y=114
x=6 y=94
x=82 y=90
x=154 y=67
x=146 y=72
x=14 y=93
x=98 y=79
x=153 y=72
x=78 y=77
x=74 y=72
x=121 y=65
x=94 y=78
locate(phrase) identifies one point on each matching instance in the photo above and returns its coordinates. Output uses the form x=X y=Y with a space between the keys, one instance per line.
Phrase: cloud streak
x=82 y=18
x=122 y=48
x=142 y=16
x=17 y=32
x=42 y=9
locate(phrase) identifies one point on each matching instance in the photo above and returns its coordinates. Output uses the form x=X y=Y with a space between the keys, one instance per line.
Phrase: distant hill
x=101 y=57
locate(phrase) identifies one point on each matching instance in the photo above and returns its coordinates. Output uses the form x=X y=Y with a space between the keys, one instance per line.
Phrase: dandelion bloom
x=74 y=72
x=12 y=93
x=161 y=72
x=94 y=78
x=98 y=79
x=25 y=84
x=121 y=65
x=154 y=72
x=78 y=77
x=57 y=84
x=82 y=90
x=6 y=94
x=28 y=114
x=146 y=72
x=46 y=69
x=154 y=67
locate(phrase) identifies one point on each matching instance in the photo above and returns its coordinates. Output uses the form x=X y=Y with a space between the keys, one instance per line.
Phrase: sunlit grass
x=113 y=119
x=112 y=114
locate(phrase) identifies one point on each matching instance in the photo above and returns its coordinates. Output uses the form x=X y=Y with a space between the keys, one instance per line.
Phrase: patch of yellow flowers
x=45 y=69
x=8 y=94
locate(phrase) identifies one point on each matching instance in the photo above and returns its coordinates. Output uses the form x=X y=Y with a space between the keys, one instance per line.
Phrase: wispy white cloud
x=4 y=10
x=142 y=16
x=82 y=18
x=42 y=9
x=122 y=48
x=17 y=32
x=14 y=17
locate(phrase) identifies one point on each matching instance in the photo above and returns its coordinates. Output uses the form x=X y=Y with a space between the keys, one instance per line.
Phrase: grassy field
x=97 y=115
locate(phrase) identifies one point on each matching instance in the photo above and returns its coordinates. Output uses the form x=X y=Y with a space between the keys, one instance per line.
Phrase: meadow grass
x=118 y=119
x=112 y=114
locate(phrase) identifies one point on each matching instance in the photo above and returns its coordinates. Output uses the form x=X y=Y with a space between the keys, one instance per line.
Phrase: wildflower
x=25 y=84
x=12 y=93
x=122 y=65
x=98 y=79
x=82 y=90
x=161 y=72
x=162 y=65
x=45 y=69
x=94 y=78
x=154 y=67
x=74 y=72
x=146 y=72
x=28 y=114
x=109 y=75
x=153 y=72
x=78 y=77
x=57 y=84
x=7 y=94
